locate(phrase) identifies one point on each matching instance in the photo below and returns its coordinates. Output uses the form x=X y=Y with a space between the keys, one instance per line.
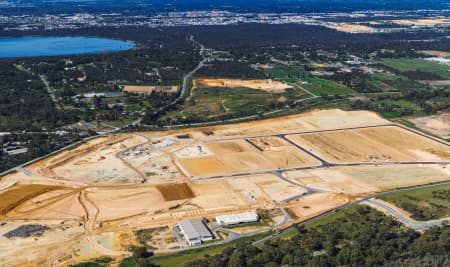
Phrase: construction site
x=92 y=200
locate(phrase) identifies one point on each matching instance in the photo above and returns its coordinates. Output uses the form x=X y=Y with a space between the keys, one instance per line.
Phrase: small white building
x=194 y=231
x=231 y=219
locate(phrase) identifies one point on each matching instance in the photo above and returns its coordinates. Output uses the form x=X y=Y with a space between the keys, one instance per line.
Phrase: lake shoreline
x=52 y=46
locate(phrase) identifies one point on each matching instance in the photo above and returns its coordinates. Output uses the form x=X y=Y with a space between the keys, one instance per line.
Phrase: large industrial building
x=194 y=231
x=231 y=219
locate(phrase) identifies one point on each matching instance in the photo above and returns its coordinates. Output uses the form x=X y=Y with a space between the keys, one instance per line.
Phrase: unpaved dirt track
x=90 y=224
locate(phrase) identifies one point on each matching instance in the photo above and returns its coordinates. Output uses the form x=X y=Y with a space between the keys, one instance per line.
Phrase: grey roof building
x=194 y=231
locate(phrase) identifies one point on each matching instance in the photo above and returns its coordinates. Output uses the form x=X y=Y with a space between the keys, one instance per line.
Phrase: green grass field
x=220 y=101
x=399 y=108
x=286 y=74
x=212 y=102
x=423 y=204
x=320 y=86
x=411 y=64
x=386 y=82
x=315 y=85
x=178 y=259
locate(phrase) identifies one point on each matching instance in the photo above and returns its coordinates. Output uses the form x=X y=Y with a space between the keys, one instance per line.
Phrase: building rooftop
x=237 y=218
x=194 y=229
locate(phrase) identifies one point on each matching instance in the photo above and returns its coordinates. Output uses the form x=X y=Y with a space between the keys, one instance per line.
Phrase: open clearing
x=149 y=89
x=436 y=53
x=236 y=156
x=93 y=197
x=18 y=194
x=269 y=85
x=381 y=144
x=438 y=125
x=352 y=28
x=264 y=187
x=422 y=22
x=215 y=98
x=414 y=64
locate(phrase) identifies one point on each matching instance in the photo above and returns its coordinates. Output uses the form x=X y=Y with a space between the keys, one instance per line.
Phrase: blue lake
x=56 y=46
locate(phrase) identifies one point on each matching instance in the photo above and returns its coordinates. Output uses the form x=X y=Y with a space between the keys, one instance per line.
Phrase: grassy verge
x=178 y=259
x=423 y=204
x=104 y=261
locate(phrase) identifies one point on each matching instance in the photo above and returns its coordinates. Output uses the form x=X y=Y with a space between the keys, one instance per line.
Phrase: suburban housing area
x=176 y=189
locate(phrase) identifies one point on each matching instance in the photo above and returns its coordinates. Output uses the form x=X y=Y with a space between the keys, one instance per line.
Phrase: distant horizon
x=275 y=6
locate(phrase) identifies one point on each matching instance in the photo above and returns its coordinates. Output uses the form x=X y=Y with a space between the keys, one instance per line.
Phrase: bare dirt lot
x=436 y=82
x=19 y=194
x=436 y=53
x=422 y=22
x=270 y=86
x=236 y=156
x=93 y=196
x=379 y=144
x=313 y=205
x=149 y=89
x=267 y=187
x=352 y=28
x=363 y=180
x=438 y=125
x=175 y=191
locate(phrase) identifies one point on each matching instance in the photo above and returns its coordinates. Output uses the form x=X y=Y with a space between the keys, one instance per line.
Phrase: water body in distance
x=57 y=46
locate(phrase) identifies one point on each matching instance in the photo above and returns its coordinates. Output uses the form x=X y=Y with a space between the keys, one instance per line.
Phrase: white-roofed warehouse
x=194 y=231
x=231 y=219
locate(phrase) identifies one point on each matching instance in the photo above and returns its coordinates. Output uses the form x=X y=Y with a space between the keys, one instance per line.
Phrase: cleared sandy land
x=438 y=125
x=149 y=89
x=115 y=203
x=423 y=22
x=265 y=187
x=352 y=28
x=101 y=164
x=363 y=180
x=53 y=247
x=236 y=156
x=436 y=53
x=379 y=144
x=268 y=85
x=55 y=205
x=313 y=205
x=175 y=191
x=115 y=184
x=19 y=194
x=436 y=82
x=332 y=180
x=391 y=177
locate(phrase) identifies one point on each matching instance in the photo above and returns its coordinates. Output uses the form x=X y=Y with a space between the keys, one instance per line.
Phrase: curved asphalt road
x=346 y=206
x=416 y=225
